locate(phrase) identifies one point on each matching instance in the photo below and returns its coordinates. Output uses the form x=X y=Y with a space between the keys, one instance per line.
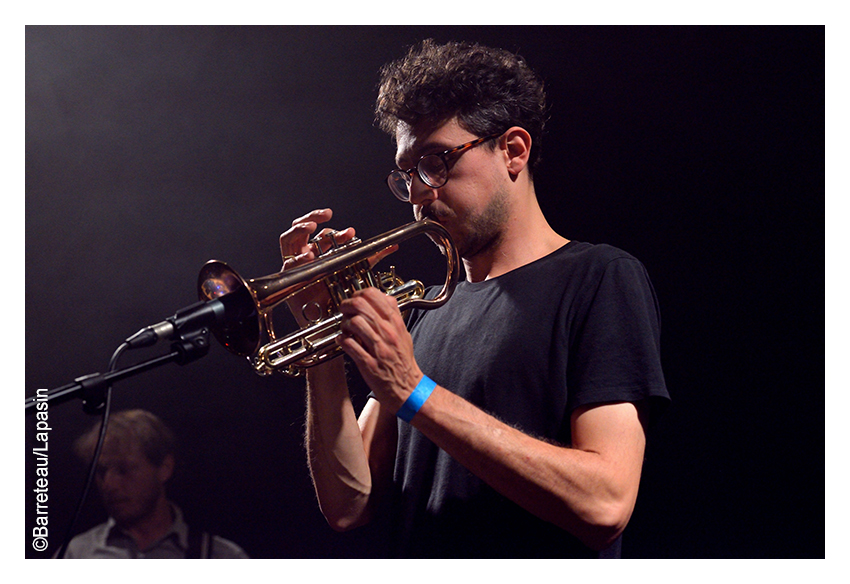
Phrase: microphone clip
x=191 y=345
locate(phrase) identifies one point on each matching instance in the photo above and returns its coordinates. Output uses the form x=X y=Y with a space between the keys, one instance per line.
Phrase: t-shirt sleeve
x=615 y=355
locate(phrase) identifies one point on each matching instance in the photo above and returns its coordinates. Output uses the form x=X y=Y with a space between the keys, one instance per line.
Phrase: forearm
x=335 y=452
x=588 y=493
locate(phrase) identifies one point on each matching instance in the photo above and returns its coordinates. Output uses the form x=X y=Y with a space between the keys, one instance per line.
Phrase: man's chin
x=122 y=513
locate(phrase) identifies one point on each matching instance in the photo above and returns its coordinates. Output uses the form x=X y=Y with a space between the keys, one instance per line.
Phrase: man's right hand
x=296 y=248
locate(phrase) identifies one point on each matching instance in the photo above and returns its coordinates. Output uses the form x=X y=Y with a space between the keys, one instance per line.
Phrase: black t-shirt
x=579 y=326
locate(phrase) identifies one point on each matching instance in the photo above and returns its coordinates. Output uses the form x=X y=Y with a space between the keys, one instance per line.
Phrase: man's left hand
x=374 y=335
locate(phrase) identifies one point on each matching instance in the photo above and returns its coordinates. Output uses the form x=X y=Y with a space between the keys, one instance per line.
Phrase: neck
x=525 y=237
x=153 y=526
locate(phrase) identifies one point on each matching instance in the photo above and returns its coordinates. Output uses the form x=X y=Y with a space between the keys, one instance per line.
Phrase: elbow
x=343 y=524
x=604 y=527
x=342 y=519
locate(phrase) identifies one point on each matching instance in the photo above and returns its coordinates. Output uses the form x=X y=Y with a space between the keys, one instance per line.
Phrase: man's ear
x=166 y=469
x=517 y=145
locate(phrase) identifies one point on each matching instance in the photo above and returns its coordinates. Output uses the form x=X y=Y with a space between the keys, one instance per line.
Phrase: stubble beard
x=479 y=233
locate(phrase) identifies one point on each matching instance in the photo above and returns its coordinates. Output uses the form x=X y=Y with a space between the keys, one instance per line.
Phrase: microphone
x=201 y=314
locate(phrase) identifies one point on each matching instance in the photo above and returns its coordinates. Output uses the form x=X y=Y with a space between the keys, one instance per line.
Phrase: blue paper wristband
x=415 y=400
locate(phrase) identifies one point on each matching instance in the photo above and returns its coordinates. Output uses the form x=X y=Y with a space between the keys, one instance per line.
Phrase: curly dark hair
x=487 y=89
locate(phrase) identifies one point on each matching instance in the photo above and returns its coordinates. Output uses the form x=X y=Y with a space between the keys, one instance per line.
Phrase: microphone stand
x=190 y=346
x=95 y=390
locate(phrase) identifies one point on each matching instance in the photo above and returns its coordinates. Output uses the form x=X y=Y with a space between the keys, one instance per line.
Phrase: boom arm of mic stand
x=189 y=347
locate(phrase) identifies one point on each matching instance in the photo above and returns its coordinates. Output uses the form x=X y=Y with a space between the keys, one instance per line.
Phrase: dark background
x=699 y=150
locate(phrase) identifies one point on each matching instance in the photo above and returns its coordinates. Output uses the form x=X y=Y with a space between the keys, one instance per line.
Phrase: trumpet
x=335 y=275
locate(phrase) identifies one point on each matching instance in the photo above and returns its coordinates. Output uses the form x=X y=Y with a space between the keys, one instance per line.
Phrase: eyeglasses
x=433 y=170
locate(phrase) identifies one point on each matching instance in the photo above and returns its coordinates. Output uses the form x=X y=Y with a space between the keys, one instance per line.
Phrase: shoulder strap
x=199 y=545
x=207 y=545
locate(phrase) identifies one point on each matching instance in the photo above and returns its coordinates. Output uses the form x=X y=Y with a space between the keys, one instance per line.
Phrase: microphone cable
x=113 y=363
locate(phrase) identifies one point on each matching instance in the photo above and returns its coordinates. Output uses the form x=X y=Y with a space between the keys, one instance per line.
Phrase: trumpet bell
x=240 y=336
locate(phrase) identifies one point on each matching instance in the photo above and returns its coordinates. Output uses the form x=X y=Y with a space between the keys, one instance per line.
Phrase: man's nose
x=107 y=480
x=420 y=193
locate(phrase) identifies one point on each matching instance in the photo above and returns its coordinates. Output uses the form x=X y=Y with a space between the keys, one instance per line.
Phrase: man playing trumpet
x=510 y=422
